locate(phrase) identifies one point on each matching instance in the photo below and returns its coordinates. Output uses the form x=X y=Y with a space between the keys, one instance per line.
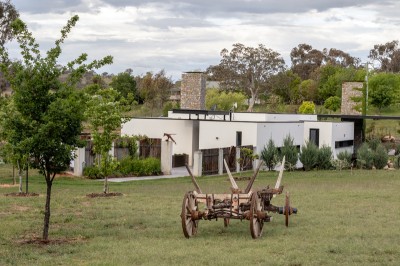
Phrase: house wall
x=330 y=132
x=155 y=128
x=220 y=134
x=278 y=132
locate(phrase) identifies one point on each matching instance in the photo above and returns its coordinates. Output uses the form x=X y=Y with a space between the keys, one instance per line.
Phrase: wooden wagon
x=240 y=204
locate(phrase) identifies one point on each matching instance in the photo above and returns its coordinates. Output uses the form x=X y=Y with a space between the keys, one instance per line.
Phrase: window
x=238 y=138
x=314 y=136
x=344 y=143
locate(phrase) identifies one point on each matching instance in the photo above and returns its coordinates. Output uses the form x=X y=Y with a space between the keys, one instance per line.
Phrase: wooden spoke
x=189 y=205
x=287 y=209
x=256 y=224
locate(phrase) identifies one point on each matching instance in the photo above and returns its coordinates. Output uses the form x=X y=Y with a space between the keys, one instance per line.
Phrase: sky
x=179 y=36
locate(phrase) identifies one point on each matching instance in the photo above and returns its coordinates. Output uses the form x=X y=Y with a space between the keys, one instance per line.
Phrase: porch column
x=166 y=157
x=220 y=161
x=197 y=163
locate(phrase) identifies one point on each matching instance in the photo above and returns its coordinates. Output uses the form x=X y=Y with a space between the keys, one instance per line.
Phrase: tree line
x=314 y=75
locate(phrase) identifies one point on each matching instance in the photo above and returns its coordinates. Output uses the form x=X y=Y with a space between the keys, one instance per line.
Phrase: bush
x=270 y=155
x=380 y=157
x=324 y=158
x=139 y=167
x=309 y=155
x=365 y=156
x=290 y=152
x=92 y=172
x=307 y=107
x=374 y=143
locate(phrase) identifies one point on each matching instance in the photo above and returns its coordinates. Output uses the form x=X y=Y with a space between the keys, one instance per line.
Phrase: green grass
x=346 y=218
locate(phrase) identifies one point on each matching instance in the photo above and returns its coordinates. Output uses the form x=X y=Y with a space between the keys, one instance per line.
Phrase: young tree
x=104 y=116
x=289 y=150
x=51 y=110
x=125 y=84
x=224 y=100
x=384 y=89
x=270 y=154
x=247 y=68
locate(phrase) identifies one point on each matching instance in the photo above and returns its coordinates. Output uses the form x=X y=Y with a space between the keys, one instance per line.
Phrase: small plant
x=270 y=155
x=92 y=172
x=365 y=156
x=380 y=157
x=324 y=158
x=309 y=155
x=247 y=156
x=290 y=152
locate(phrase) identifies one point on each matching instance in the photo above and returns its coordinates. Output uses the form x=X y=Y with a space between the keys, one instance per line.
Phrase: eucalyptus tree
x=50 y=111
x=247 y=68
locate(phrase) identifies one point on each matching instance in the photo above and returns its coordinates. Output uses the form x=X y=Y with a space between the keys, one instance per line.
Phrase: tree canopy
x=47 y=115
x=247 y=68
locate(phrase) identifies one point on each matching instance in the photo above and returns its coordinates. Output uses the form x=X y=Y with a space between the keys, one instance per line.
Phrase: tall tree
x=125 y=84
x=247 y=68
x=387 y=55
x=51 y=110
x=337 y=57
x=154 y=89
x=8 y=14
x=305 y=60
x=384 y=89
x=285 y=84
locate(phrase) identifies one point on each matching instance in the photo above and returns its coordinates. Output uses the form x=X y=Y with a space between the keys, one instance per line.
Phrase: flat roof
x=373 y=117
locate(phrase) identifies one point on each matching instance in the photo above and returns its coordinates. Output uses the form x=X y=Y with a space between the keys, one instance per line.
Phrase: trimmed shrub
x=139 y=167
x=93 y=172
x=324 y=158
x=380 y=157
x=270 y=155
x=290 y=152
x=365 y=156
x=309 y=155
x=307 y=107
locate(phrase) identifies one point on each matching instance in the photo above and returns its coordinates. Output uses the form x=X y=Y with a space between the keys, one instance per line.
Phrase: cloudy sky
x=179 y=35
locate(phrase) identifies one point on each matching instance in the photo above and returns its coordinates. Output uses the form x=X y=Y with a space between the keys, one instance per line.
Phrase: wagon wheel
x=189 y=205
x=256 y=224
x=287 y=209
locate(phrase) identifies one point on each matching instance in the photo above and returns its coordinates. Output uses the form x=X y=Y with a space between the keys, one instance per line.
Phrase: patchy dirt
x=53 y=241
x=8 y=185
x=22 y=194
x=103 y=195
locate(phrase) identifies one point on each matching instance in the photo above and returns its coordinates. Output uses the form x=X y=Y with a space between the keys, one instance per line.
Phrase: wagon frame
x=240 y=204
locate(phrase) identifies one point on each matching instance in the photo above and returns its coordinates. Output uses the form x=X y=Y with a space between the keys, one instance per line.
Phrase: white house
x=196 y=130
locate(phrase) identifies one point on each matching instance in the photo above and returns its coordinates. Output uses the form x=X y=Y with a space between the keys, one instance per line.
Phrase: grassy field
x=346 y=218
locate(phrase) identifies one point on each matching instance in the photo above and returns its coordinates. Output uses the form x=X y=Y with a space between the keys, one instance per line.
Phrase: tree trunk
x=20 y=176
x=251 y=103
x=105 y=189
x=47 y=209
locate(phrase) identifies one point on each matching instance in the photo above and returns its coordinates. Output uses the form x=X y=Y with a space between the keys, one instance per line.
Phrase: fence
x=210 y=160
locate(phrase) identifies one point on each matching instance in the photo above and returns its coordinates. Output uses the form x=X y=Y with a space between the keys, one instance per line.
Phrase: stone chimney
x=349 y=91
x=193 y=91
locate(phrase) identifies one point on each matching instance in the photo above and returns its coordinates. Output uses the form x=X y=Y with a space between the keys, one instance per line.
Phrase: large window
x=314 y=136
x=344 y=143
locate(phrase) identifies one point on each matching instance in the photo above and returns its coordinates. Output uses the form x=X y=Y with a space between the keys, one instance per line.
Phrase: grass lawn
x=346 y=218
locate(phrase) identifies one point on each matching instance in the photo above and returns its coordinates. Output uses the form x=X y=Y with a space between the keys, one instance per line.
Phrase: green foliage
x=125 y=84
x=285 y=84
x=168 y=106
x=309 y=155
x=48 y=113
x=139 y=167
x=374 y=143
x=324 y=158
x=380 y=157
x=224 y=101
x=333 y=103
x=384 y=89
x=247 y=156
x=307 y=107
x=345 y=156
x=270 y=155
x=93 y=172
x=289 y=150
x=365 y=156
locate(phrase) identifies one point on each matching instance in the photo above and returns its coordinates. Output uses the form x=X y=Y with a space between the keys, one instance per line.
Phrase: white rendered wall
x=278 y=132
x=330 y=132
x=155 y=128
x=220 y=134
